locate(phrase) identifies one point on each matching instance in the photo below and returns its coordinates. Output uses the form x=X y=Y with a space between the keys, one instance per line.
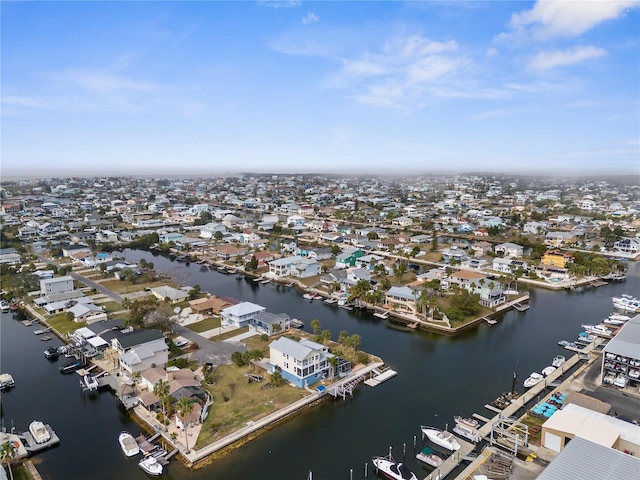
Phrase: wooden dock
x=521 y=307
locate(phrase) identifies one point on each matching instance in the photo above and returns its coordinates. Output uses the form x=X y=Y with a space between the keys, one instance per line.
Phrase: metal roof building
x=583 y=459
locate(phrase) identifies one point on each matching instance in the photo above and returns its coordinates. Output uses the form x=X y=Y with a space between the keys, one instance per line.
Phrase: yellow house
x=556 y=258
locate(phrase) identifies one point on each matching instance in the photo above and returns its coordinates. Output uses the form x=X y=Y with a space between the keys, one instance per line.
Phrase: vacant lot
x=63 y=325
x=204 y=325
x=120 y=286
x=237 y=401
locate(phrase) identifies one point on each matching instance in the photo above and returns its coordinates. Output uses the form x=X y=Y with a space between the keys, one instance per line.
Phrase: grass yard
x=232 y=333
x=63 y=325
x=535 y=431
x=204 y=325
x=236 y=402
x=111 y=307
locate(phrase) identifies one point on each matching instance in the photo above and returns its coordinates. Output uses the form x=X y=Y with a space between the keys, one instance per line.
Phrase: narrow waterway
x=438 y=377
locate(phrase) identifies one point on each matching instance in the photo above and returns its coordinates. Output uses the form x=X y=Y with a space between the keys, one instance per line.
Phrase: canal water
x=438 y=377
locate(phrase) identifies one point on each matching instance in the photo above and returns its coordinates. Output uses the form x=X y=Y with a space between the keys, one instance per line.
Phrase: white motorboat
x=428 y=456
x=151 y=466
x=626 y=303
x=619 y=316
x=4 y=306
x=465 y=431
x=6 y=381
x=128 y=444
x=39 y=432
x=441 y=437
x=532 y=380
x=599 y=330
x=393 y=470
x=90 y=383
x=558 y=360
x=470 y=422
x=546 y=371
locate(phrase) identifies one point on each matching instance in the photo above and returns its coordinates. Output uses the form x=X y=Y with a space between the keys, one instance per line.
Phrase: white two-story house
x=301 y=363
x=140 y=350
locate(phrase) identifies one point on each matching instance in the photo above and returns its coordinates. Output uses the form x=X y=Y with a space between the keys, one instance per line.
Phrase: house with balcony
x=402 y=299
x=305 y=268
x=627 y=245
x=240 y=315
x=368 y=262
x=209 y=230
x=140 y=350
x=53 y=286
x=556 y=258
x=301 y=363
x=281 y=267
x=348 y=258
x=270 y=323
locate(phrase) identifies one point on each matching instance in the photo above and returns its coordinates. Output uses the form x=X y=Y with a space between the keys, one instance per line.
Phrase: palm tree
x=8 y=452
x=184 y=407
x=161 y=390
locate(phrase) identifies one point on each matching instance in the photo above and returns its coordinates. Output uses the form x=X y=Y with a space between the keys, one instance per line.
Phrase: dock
x=380 y=376
x=521 y=307
x=32 y=447
x=597 y=283
x=453 y=460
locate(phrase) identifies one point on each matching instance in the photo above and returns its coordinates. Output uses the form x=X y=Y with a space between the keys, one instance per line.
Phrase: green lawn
x=120 y=286
x=204 y=325
x=63 y=325
x=225 y=335
x=111 y=307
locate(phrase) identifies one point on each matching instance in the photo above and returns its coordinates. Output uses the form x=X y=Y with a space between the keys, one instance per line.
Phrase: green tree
x=315 y=325
x=184 y=407
x=8 y=452
x=161 y=390
x=276 y=378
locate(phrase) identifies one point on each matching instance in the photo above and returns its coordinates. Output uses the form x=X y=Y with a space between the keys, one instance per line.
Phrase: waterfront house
x=301 y=363
x=492 y=297
x=263 y=258
x=9 y=256
x=557 y=239
x=281 y=267
x=467 y=279
x=170 y=237
x=209 y=305
x=209 y=230
x=556 y=258
x=402 y=299
x=305 y=268
x=240 y=315
x=270 y=323
x=140 y=350
x=87 y=312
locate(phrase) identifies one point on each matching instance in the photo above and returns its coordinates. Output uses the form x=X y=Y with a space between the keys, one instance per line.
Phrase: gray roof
x=582 y=459
x=270 y=318
x=627 y=341
x=139 y=337
x=292 y=348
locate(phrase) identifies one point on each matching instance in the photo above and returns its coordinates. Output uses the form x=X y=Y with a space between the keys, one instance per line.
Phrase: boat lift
x=510 y=434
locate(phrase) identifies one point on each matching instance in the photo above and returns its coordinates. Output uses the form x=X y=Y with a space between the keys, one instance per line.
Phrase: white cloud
x=280 y=3
x=553 y=18
x=99 y=82
x=559 y=58
x=310 y=17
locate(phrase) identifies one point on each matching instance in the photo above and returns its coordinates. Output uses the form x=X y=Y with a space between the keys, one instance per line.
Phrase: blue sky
x=203 y=88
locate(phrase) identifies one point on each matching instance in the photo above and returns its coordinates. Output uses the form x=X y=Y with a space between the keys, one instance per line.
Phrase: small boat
x=441 y=437
x=4 y=306
x=491 y=321
x=151 y=466
x=309 y=296
x=626 y=303
x=265 y=281
x=428 y=456
x=295 y=323
x=6 y=381
x=465 y=431
x=128 y=444
x=470 y=422
x=393 y=470
x=71 y=366
x=619 y=316
x=533 y=379
x=51 y=353
x=89 y=383
x=39 y=432
x=546 y=371
x=564 y=343
x=330 y=300
x=599 y=330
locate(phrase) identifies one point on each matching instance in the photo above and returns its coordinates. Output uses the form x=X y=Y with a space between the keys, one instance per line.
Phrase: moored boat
x=441 y=437
x=533 y=379
x=51 y=353
x=6 y=381
x=89 y=383
x=470 y=422
x=295 y=323
x=546 y=371
x=428 y=456
x=150 y=465
x=465 y=431
x=39 y=432
x=4 y=306
x=72 y=366
x=558 y=360
x=393 y=470
x=128 y=444
x=626 y=303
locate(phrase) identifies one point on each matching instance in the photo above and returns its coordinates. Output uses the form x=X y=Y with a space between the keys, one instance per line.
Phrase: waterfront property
x=240 y=315
x=301 y=363
x=140 y=350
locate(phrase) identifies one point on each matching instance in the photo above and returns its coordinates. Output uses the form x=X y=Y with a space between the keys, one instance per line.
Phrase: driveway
x=215 y=353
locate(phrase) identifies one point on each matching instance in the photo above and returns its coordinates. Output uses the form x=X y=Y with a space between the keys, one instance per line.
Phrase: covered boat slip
x=32 y=446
